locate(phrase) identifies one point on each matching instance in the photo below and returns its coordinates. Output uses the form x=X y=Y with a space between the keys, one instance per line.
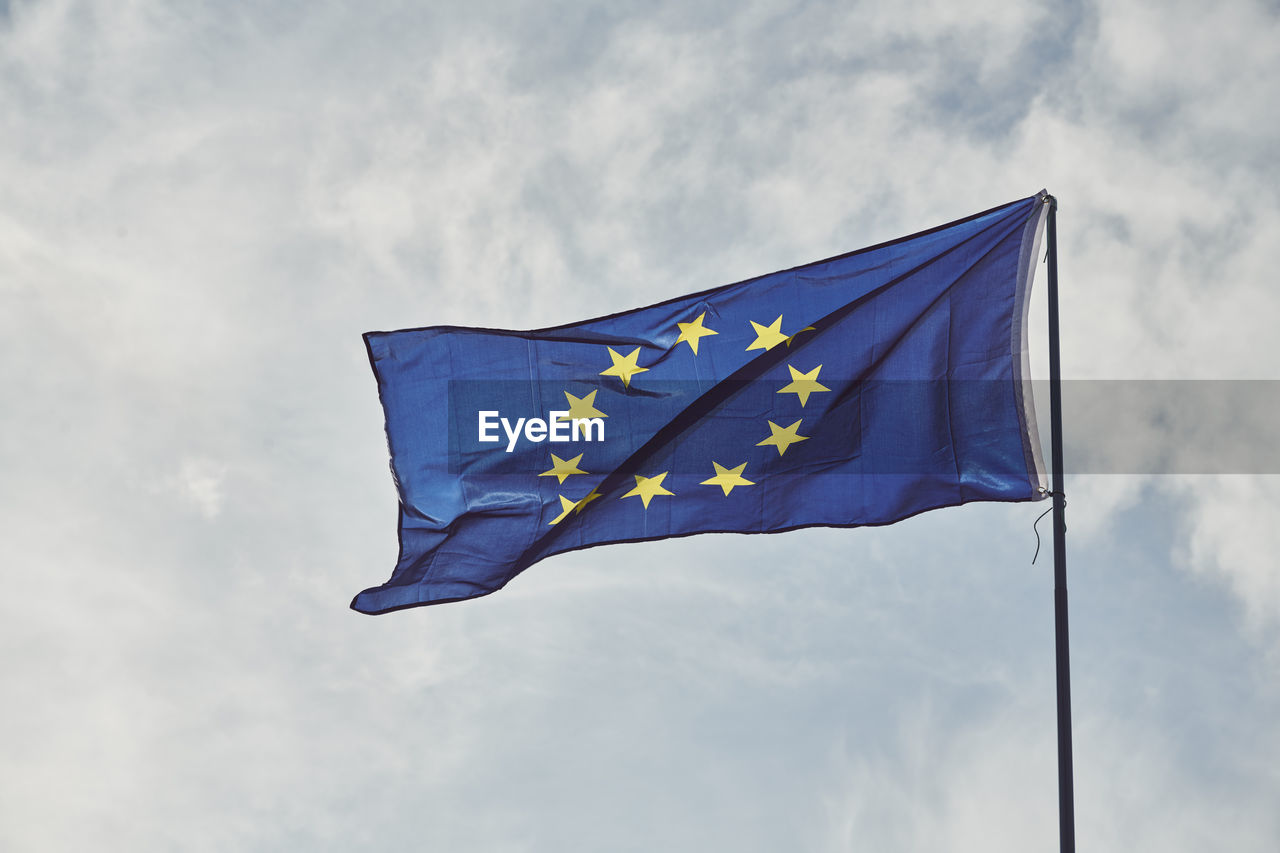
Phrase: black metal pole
x=1066 y=792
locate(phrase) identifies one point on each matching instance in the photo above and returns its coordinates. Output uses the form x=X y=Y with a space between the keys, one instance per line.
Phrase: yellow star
x=566 y=507
x=624 y=367
x=782 y=438
x=649 y=487
x=767 y=337
x=592 y=495
x=583 y=407
x=793 y=337
x=562 y=469
x=803 y=384
x=691 y=332
x=727 y=478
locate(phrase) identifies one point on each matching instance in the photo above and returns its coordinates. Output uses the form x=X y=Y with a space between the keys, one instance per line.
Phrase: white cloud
x=205 y=207
x=991 y=786
x=200 y=481
x=1233 y=538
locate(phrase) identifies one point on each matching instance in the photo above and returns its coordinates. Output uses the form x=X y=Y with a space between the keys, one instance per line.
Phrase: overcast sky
x=202 y=207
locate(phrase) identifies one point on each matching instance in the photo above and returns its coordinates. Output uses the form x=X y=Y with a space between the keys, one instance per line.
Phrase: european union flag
x=858 y=390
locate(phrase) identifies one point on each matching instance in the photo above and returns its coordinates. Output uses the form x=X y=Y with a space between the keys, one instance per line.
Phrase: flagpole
x=1066 y=794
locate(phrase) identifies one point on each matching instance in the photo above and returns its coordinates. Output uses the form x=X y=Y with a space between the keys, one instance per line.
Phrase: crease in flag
x=855 y=391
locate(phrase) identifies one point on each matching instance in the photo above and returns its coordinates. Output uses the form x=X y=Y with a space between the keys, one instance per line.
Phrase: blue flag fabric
x=858 y=390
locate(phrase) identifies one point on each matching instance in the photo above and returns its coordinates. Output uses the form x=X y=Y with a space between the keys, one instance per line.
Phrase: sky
x=204 y=205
